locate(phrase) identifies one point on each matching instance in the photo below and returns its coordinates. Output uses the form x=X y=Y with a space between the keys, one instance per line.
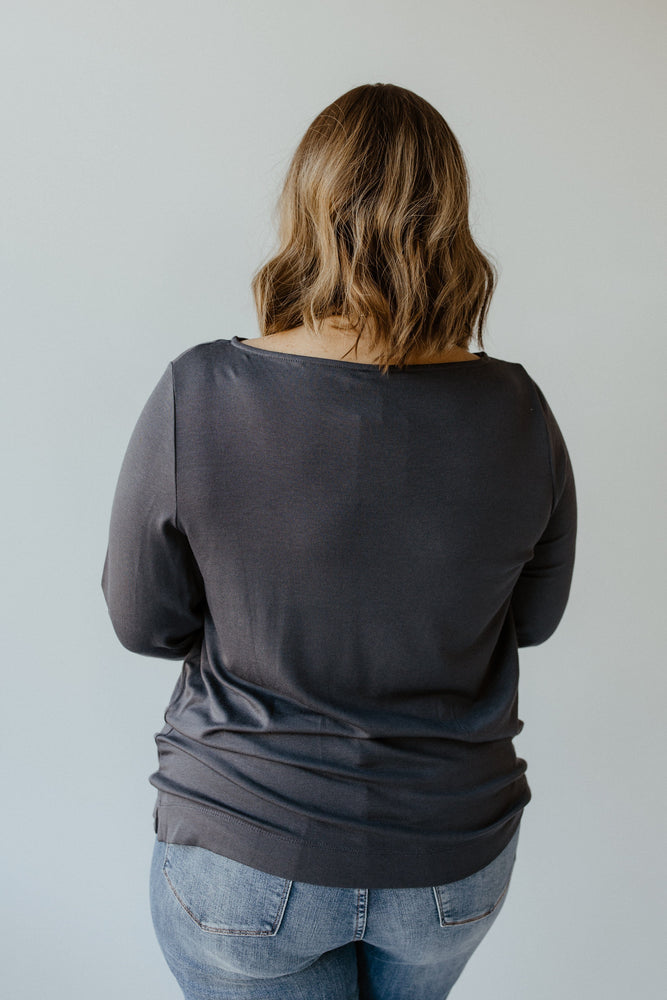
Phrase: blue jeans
x=230 y=931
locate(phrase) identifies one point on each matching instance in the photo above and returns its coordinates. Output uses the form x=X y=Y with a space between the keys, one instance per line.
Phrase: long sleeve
x=150 y=580
x=541 y=593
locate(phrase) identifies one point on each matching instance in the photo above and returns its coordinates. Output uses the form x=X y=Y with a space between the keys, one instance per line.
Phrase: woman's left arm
x=151 y=582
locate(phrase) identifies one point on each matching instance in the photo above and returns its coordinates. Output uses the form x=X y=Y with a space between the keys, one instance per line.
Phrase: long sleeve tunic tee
x=346 y=562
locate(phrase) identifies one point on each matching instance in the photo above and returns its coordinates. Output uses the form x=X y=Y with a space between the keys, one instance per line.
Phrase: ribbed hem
x=372 y=865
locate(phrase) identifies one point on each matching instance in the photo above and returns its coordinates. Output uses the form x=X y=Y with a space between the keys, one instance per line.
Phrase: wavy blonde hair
x=373 y=228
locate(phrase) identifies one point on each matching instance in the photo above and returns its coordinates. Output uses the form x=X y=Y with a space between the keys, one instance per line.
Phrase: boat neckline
x=241 y=345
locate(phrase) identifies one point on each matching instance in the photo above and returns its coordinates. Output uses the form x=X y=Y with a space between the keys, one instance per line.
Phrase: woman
x=345 y=528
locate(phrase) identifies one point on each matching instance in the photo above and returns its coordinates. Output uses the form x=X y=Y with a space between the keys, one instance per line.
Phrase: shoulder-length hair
x=373 y=228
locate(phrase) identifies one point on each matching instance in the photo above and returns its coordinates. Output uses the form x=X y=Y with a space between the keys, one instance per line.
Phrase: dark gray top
x=346 y=562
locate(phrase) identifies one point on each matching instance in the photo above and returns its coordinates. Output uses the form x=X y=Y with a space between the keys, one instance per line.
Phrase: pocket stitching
x=469 y=920
x=211 y=929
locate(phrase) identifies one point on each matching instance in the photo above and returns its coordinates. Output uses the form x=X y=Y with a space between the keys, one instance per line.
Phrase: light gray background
x=144 y=143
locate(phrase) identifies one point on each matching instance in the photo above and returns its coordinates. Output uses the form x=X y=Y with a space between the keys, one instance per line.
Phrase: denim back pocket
x=477 y=896
x=224 y=896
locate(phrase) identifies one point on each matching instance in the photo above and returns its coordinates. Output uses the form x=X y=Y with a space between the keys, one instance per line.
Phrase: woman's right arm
x=542 y=591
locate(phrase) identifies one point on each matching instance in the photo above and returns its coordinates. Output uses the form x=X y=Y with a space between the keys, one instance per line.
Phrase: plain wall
x=144 y=144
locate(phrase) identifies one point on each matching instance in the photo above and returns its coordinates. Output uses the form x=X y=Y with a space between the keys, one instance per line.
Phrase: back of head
x=373 y=228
